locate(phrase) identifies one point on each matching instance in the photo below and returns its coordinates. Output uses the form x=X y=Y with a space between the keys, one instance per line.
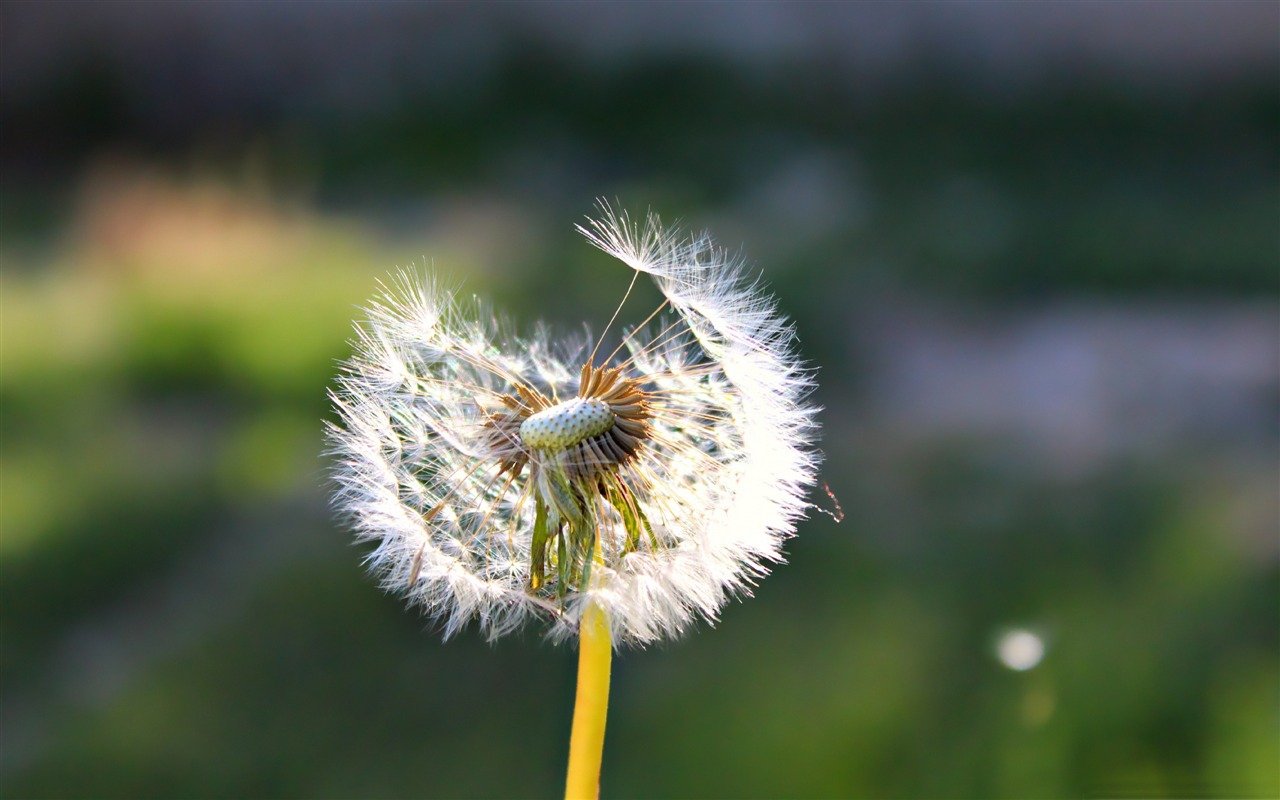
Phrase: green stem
x=591 y=706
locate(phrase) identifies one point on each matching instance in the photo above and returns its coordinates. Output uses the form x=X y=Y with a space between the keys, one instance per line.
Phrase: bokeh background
x=1033 y=248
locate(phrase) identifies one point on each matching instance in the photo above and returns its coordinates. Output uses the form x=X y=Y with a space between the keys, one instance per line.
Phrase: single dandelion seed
x=615 y=499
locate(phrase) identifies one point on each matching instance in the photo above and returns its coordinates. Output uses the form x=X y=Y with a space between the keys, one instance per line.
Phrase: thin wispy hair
x=683 y=501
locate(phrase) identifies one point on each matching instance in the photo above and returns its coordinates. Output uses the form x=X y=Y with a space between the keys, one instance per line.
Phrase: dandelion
x=613 y=497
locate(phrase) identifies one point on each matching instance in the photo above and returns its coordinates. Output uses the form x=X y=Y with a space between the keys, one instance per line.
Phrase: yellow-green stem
x=590 y=707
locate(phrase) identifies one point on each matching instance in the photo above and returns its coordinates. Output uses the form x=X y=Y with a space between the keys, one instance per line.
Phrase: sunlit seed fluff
x=502 y=479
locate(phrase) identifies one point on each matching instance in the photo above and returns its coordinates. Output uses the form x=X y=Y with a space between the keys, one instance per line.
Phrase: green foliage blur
x=180 y=616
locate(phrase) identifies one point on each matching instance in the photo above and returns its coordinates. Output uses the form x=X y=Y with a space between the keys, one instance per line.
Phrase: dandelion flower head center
x=566 y=424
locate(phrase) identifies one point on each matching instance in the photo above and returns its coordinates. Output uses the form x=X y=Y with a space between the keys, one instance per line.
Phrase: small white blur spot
x=1020 y=650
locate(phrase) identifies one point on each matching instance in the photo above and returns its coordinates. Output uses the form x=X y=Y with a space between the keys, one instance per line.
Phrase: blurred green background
x=1033 y=248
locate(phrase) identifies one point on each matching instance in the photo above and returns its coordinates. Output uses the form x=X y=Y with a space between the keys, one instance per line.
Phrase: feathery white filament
x=444 y=465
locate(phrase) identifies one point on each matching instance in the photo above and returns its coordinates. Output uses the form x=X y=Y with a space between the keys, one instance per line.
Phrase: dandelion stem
x=591 y=706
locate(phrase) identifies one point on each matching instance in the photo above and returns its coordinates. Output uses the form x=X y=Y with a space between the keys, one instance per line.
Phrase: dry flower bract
x=504 y=478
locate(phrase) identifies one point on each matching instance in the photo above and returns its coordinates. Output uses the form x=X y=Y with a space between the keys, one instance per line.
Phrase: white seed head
x=666 y=482
x=566 y=424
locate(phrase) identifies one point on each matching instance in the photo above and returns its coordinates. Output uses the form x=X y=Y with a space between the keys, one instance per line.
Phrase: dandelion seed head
x=502 y=479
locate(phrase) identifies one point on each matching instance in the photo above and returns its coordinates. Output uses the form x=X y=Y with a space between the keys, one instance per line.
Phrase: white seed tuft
x=687 y=473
